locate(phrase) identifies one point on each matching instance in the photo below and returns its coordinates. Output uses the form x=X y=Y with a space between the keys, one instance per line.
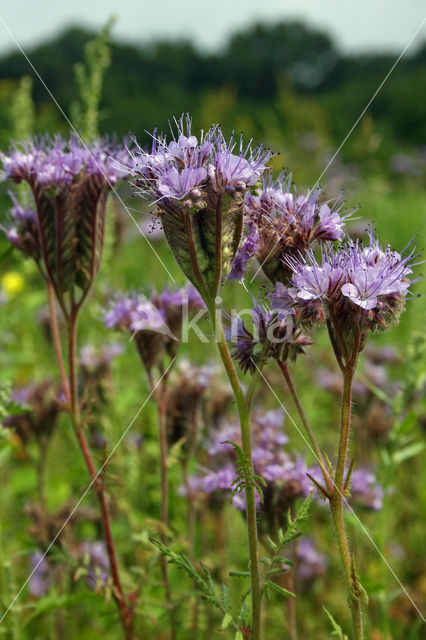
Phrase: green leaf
x=226 y=601
x=175 y=453
x=271 y=543
x=275 y=587
x=53 y=601
x=337 y=630
x=226 y=621
x=410 y=451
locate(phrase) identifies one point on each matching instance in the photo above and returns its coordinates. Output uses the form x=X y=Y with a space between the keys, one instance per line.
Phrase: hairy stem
x=288 y=579
x=337 y=502
x=125 y=611
x=57 y=341
x=244 y=407
x=291 y=387
x=161 y=394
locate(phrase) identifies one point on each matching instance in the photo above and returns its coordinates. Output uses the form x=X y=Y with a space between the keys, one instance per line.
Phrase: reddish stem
x=57 y=341
x=125 y=610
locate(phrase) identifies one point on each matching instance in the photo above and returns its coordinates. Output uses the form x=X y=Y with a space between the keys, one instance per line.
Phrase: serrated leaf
x=175 y=453
x=226 y=621
x=283 y=560
x=276 y=587
x=271 y=543
x=226 y=601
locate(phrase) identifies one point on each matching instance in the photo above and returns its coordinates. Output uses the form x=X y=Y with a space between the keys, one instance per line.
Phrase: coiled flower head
x=198 y=186
x=274 y=335
x=64 y=230
x=281 y=222
x=356 y=285
x=155 y=322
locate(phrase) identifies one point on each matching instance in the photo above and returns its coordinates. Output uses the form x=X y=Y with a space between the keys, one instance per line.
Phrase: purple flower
x=155 y=323
x=96 y=560
x=373 y=273
x=311 y=564
x=236 y=171
x=317 y=280
x=365 y=490
x=22 y=231
x=40 y=580
x=121 y=313
x=172 y=169
x=247 y=250
x=198 y=186
x=135 y=313
x=178 y=184
x=70 y=184
x=288 y=223
x=274 y=334
x=355 y=282
x=59 y=162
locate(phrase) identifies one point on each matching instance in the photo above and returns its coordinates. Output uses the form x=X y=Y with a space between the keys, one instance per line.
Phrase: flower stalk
x=337 y=498
x=313 y=441
x=336 y=487
x=160 y=392
x=244 y=403
x=124 y=607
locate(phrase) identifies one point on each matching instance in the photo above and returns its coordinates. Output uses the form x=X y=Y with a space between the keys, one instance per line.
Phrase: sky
x=355 y=24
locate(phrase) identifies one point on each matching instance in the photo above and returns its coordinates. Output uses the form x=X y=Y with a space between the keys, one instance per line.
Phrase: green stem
x=337 y=505
x=244 y=409
x=291 y=387
x=161 y=396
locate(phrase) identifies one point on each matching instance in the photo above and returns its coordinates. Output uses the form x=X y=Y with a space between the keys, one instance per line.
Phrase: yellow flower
x=12 y=283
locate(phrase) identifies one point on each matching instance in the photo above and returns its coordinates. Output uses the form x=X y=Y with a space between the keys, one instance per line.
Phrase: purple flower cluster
x=365 y=490
x=310 y=563
x=57 y=163
x=95 y=560
x=274 y=335
x=23 y=229
x=41 y=577
x=156 y=323
x=198 y=186
x=135 y=313
x=249 y=246
x=285 y=475
x=282 y=222
x=63 y=230
x=185 y=168
x=353 y=284
x=138 y=313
